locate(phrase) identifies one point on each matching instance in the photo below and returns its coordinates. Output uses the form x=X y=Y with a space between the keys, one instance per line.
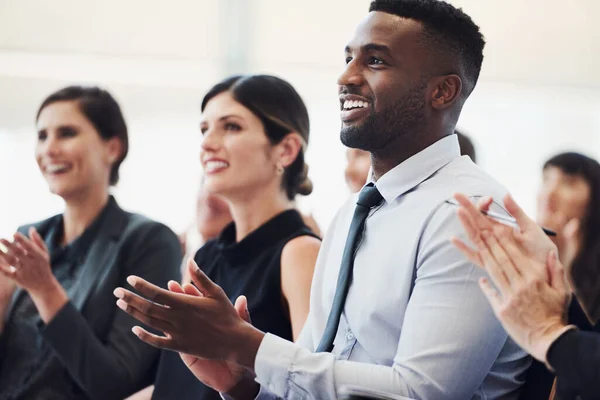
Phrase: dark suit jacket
x=90 y=336
x=575 y=356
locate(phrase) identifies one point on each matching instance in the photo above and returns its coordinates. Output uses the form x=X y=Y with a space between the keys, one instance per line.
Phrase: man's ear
x=446 y=91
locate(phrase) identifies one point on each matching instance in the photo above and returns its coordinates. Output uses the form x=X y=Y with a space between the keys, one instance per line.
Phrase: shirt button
x=350 y=336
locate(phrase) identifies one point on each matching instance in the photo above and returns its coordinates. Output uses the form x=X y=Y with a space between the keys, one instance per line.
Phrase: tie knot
x=369 y=196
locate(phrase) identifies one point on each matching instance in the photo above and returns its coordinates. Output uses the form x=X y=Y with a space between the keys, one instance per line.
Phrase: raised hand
x=26 y=262
x=223 y=376
x=531 y=296
x=207 y=326
x=529 y=235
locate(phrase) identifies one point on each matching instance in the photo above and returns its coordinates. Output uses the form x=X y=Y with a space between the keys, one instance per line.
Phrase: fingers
x=468 y=224
x=472 y=255
x=518 y=214
x=11 y=255
x=491 y=266
x=142 y=316
x=516 y=259
x=241 y=306
x=491 y=294
x=140 y=308
x=203 y=282
x=38 y=240
x=152 y=292
x=484 y=203
x=502 y=259
x=29 y=247
x=191 y=290
x=8 y=271
x=174 y=287
x=187 y=288
x=160 y=342
x=478 y=219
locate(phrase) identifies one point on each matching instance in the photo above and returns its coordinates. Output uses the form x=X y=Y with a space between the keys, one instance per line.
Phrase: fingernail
x=121 y=304
x=118 y=292
x=136 y=330
x=131 y=280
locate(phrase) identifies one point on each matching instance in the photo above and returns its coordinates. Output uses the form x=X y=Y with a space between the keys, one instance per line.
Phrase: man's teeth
x=215 y=165
x=53 y=169
x=349 y=104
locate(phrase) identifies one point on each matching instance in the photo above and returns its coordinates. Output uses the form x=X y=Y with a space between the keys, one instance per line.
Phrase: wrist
x=49 y=300
x=246 y=388
x=246 y=343
x=546 y=340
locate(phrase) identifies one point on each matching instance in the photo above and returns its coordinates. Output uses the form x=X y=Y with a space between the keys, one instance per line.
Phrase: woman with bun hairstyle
x=255 y=132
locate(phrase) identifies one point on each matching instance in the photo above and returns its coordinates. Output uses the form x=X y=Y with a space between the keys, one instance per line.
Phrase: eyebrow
x=371 y=47
x=224 y=117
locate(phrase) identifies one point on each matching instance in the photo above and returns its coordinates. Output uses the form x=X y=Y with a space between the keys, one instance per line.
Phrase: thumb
x=523 y=220
x=241 y=306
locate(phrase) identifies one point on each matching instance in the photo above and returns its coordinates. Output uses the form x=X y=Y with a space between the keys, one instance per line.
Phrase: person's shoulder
x=40 y=226
x=207 y=251
x=464 y=176
x=140 y=224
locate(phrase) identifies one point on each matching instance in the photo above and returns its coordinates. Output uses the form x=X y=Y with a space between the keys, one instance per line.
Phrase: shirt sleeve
x=449 y=342
x=575 y=357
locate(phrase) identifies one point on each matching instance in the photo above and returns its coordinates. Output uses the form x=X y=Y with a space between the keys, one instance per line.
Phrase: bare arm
x=298 y=261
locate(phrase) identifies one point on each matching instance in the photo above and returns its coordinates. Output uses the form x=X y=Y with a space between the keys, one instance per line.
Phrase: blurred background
x=539 y=92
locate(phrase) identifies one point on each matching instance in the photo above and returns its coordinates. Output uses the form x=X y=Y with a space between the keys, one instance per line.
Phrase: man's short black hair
x=447 y=29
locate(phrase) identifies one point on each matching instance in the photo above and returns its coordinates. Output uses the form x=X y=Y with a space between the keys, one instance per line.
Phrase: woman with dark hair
x=63 y=338
x=255 y=130
x=569 y=203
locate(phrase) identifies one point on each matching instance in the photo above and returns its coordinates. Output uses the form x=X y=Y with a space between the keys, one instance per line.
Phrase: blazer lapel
x=101 y=255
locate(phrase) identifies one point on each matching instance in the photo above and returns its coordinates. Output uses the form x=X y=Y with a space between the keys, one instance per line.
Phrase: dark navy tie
x=369 y=197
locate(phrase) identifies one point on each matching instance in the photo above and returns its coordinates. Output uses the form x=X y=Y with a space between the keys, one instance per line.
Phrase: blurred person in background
x=358 y=164
x=569 y=203
x=255 y=129
x=63 y=337
x=212 y=215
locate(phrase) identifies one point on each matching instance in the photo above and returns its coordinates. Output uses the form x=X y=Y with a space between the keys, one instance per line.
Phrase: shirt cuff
x=274 y=362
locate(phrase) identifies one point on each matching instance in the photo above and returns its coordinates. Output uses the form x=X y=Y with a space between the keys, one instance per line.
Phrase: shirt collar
x=416 y=169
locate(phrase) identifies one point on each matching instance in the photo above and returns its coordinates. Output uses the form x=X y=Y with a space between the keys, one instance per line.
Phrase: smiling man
x=394 y=306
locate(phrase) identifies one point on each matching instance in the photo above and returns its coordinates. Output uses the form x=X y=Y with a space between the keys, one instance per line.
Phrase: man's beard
x=398 y=120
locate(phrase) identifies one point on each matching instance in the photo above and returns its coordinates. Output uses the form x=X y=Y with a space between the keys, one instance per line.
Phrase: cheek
x=249 y=157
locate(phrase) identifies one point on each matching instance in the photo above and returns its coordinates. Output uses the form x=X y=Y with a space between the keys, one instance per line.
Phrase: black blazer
x=90 y=335
x=575 y=356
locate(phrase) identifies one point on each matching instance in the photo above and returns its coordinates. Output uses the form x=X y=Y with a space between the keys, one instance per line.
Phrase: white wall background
x=539 y=92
